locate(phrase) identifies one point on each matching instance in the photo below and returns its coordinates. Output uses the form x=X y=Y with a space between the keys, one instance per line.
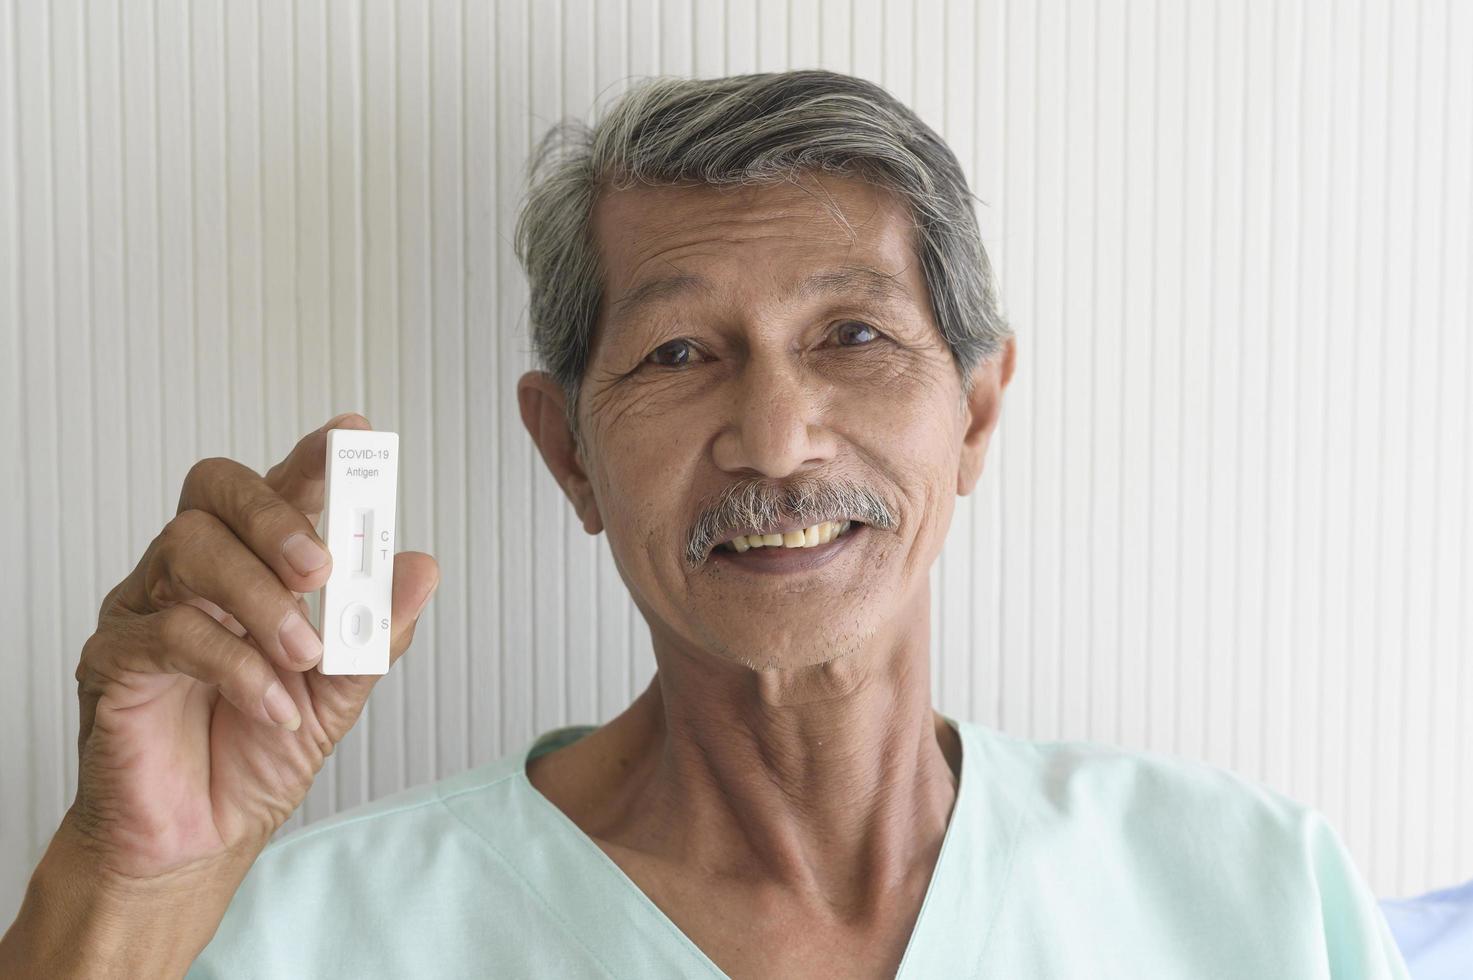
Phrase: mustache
x=761 y=505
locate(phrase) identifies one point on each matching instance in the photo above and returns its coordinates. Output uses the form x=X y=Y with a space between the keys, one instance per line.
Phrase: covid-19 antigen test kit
x=358 y=526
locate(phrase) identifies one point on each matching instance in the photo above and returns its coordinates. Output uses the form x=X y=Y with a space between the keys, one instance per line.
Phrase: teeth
x=808 y=537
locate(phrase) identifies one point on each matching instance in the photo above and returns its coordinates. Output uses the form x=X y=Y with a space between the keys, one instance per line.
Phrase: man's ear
x=544 y=414
x=982 y=408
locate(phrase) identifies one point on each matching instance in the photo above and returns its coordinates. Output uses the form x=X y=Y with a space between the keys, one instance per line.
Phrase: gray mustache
x=759 y=504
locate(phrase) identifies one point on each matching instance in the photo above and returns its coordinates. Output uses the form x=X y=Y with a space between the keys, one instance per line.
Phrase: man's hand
x=203 y=722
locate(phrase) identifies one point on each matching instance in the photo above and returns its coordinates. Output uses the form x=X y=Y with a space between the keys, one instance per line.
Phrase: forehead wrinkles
x=640 y=225
x=726 y=264
x=737 y=242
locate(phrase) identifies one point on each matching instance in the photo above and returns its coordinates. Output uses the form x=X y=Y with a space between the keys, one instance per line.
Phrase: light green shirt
x=1061 y=859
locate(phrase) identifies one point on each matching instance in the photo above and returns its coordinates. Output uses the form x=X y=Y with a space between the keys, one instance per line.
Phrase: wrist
x=76 y=920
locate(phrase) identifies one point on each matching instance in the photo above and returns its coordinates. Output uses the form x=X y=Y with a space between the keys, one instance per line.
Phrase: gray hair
x=745 y=129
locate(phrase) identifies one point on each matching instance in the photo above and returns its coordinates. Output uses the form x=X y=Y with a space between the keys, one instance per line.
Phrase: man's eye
x=672 y=353
x=853 y=333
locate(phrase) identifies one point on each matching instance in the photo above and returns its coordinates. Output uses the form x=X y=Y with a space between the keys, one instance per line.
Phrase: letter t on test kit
x=358 y=526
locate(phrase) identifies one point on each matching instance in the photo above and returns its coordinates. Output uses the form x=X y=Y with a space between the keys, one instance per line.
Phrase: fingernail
x=300 y=640
x=334 y=421
x=281 y=708
x=426 y=600
x=304 y=554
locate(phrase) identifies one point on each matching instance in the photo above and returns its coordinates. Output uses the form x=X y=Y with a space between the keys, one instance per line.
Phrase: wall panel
x=1226 y=516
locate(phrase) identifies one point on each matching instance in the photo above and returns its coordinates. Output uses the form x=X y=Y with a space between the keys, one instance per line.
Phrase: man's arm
x=74 y=918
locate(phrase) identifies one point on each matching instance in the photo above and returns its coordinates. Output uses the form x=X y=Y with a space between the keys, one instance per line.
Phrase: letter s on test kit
x=358 y=526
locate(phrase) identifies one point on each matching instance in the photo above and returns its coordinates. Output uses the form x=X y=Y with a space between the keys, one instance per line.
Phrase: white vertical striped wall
x=1227 y=513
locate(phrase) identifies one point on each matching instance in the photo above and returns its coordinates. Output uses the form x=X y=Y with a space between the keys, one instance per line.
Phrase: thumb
x=416 y=577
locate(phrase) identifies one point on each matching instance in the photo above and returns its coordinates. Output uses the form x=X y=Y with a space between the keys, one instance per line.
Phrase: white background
x=1227 y=513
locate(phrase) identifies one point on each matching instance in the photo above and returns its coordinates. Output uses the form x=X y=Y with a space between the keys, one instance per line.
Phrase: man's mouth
x=830 y=539
x=803 y=537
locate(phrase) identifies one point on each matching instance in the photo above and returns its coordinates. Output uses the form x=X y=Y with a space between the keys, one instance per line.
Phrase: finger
x=300 y=477
x=198 y=556
x=416 y=577
x=278 y=532
x=184 y=639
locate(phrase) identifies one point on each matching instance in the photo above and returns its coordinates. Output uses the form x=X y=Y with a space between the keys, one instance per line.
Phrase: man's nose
x=776 y=425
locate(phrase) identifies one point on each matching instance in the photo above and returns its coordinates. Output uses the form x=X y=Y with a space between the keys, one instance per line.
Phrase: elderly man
x=774 y=358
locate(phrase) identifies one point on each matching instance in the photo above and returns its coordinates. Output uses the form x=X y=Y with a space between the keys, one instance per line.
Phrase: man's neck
x=835 y=781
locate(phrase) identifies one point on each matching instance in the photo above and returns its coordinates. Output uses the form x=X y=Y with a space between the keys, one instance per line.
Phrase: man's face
x=747 y=380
